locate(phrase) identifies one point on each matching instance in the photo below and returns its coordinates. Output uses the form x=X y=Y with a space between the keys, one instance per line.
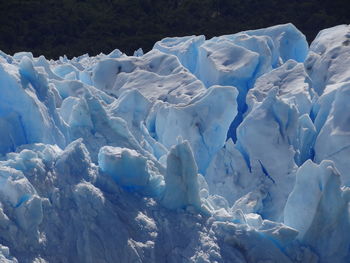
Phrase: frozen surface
x=317 y=192
x=327 y=60
x=204 y=122
x=230 y=149
x=181 y=183
x=333 y=141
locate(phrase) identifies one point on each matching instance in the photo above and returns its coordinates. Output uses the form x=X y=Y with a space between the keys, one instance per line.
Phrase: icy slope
x=232 y=149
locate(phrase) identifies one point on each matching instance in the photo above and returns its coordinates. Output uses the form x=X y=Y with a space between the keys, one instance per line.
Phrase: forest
x=76 y=27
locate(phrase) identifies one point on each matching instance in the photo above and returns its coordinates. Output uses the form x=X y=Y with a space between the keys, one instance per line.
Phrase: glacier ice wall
x=231 y=149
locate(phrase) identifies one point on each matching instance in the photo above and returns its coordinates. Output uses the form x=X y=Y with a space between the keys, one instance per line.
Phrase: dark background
x=75 y=27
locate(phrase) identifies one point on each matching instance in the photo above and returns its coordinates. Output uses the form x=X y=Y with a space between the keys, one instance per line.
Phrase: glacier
x=230 y=149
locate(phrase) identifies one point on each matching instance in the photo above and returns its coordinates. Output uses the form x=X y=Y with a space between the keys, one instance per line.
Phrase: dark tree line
x=74 y=27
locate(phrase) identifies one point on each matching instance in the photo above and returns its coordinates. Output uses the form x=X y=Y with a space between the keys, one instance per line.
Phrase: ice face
x=332 y=142
x=288 y=40
x=27 y=103
x=204 y=122
x=230 y=149
x=131 y=170
x=238 y=59
x=327 y=61
x=318 y=205
x=156 y=75
x=292 y=83
x=185 y=48
x=181 y=183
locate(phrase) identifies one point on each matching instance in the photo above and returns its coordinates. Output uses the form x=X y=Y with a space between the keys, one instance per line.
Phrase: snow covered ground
x=231 y=149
